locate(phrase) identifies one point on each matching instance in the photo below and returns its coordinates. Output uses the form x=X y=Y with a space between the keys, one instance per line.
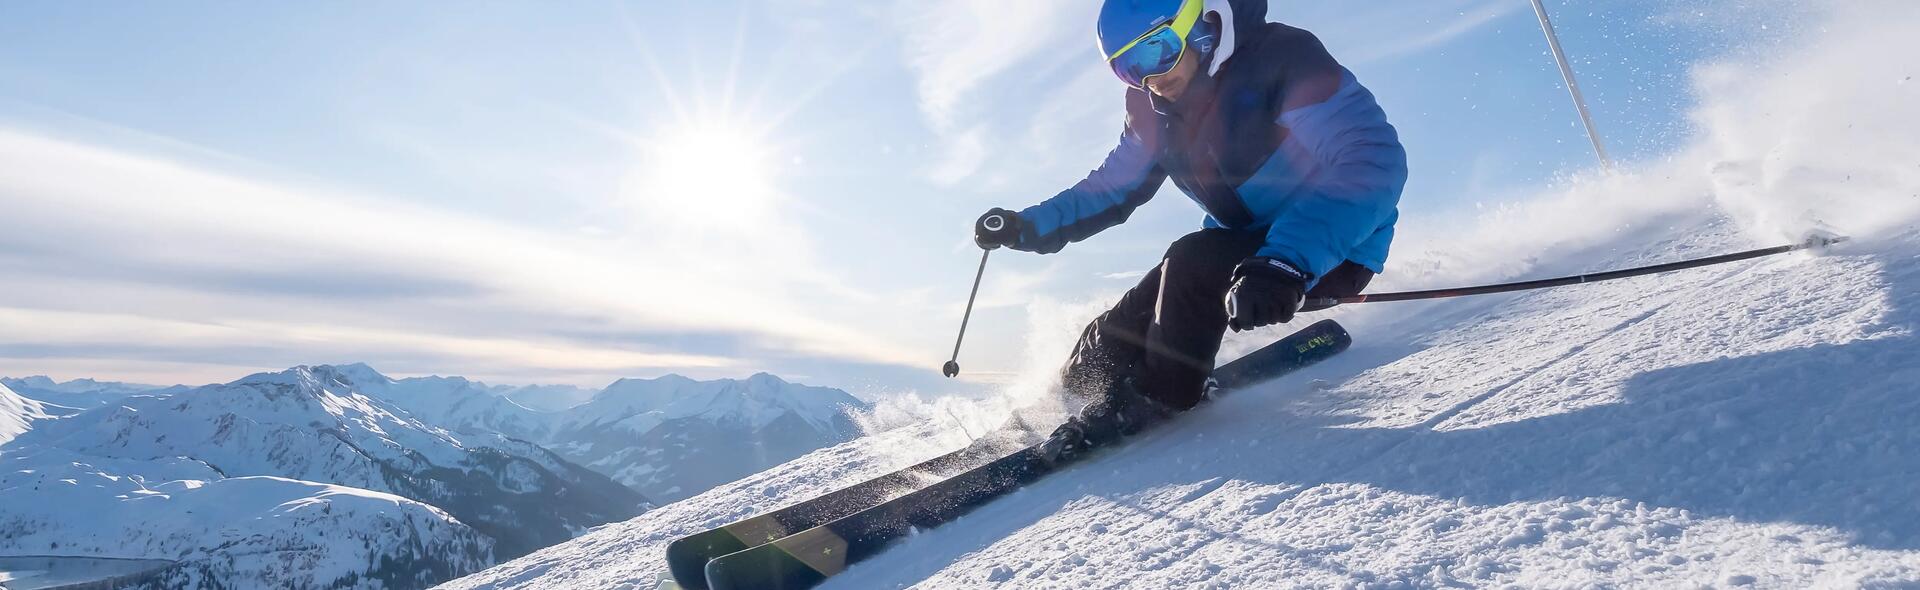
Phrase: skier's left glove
x=1265 y=291
x=998 y=227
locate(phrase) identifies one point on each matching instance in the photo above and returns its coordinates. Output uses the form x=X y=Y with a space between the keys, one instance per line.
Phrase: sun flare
x=705 y=174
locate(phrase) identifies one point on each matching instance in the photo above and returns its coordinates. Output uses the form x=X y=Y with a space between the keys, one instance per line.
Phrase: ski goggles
x=1159 y=50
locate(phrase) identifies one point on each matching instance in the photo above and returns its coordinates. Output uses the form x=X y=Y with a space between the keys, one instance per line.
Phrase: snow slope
x=17 y=414
x=259 y=531
x=1748 y=425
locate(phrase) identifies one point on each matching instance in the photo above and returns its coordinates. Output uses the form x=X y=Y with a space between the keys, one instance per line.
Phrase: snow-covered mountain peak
x=455 y=403
x=358 y=374
x=672 y=436
x=70 y=396
x=353 y=376
x=17 y=414
x=82 y=385
x=756 y=400
x=637 y=390
x=764 y=397
x=321 y=396
x=34 y=381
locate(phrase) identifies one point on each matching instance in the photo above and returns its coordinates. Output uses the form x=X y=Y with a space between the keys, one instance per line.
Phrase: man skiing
x=1290 y=157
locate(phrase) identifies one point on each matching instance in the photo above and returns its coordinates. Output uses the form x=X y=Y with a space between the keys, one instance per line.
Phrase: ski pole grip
x=1318 y=303
x=995 y=222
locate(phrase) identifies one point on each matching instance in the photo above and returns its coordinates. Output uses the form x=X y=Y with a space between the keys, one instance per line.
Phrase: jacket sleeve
x=1127 y=179
x=1353 y=190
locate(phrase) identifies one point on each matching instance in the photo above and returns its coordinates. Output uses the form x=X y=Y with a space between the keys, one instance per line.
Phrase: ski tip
x=767 y=567
x=1330 y=335
x=686 y=563
x=687 y=557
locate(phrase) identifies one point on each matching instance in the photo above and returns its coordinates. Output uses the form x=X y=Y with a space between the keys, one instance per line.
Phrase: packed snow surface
x=1745 y=425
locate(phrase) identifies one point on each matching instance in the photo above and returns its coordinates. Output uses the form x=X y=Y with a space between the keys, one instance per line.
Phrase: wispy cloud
x=1409 y=31
x=959 y=45
x=979 y=67
x=107 y=247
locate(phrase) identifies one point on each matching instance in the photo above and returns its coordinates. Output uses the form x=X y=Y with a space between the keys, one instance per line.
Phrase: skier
x=1290 y=157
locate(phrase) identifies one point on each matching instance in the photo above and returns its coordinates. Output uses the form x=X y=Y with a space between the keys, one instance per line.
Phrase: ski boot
x=1123 y=412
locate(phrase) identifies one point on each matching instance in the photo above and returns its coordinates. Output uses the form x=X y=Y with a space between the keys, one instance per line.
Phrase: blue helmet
x=1122 y=21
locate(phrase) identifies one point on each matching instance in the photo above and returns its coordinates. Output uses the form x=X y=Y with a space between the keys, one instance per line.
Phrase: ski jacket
x=1279 y=139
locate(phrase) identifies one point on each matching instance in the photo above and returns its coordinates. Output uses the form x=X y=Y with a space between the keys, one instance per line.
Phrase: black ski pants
x=1165 y=332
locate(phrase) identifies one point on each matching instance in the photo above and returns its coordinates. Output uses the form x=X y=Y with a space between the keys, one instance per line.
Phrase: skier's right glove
x=998 y=227
x=1265 y=291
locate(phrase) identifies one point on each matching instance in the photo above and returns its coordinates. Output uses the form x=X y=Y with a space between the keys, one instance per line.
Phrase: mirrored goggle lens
x=1154 y=55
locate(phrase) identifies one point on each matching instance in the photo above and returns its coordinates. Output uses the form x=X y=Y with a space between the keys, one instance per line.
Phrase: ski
x=806 y=558
x=687 y=557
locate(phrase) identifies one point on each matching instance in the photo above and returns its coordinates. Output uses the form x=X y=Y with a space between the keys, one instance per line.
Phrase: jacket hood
x=1243 y=17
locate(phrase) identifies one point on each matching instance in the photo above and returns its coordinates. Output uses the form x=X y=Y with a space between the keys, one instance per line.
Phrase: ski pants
x=1165 y=332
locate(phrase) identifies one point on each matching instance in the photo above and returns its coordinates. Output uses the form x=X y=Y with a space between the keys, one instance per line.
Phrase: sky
x=578 y=192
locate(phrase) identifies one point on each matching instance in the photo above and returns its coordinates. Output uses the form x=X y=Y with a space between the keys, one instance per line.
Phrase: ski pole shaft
x=1815 y=242
x=953 y=365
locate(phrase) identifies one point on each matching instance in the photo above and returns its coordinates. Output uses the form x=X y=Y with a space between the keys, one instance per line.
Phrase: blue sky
x=539 y=192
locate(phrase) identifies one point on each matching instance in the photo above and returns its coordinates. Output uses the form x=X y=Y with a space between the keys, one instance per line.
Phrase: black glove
x=1265 y=291
x=999 y=227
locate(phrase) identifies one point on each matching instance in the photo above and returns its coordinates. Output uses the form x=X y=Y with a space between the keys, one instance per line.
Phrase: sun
x=704 y=175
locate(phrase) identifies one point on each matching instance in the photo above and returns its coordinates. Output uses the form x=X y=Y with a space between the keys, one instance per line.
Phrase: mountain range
x=669 y=437
x=79 y=394
x=338 y=475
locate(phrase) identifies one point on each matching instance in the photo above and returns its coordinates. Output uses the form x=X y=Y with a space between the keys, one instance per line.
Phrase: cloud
x=981 y=68
x=1433 y=26
x=105 y=248
x=958 y=45
x=1379 y=31
x=964 y=153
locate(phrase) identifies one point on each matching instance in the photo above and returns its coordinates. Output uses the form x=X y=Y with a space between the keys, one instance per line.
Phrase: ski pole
x=1813 y=242
x=953 y=365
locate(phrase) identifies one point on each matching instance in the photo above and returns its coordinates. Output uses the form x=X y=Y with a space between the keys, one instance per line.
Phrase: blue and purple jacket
x=1281 y=139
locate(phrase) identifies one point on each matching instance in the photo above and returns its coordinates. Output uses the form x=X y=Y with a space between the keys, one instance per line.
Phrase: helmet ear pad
x=1206 y=34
